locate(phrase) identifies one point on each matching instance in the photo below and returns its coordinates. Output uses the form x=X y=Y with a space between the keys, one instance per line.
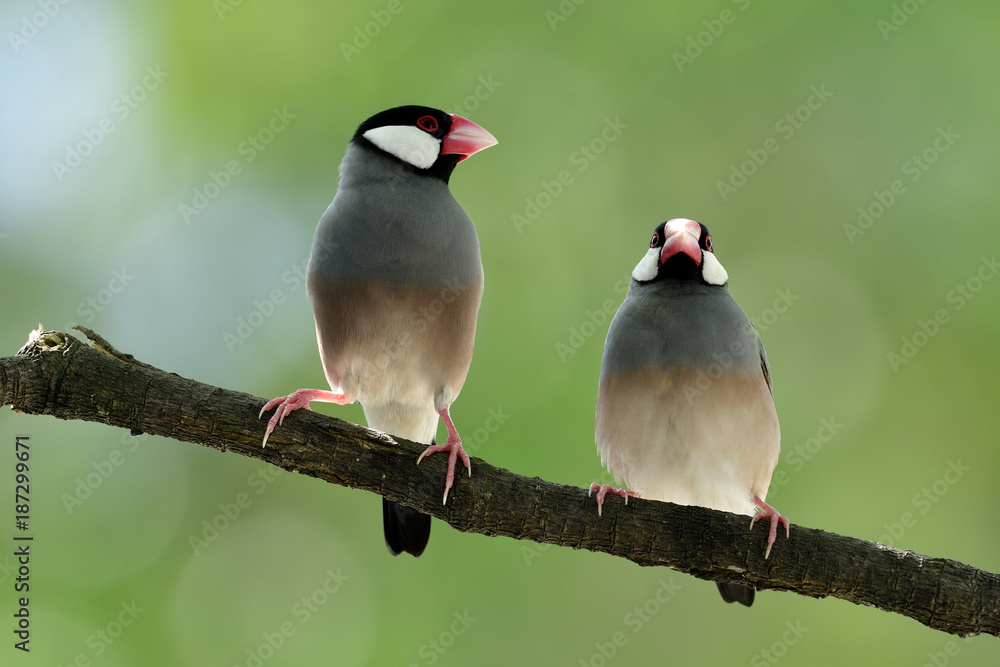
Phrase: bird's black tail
x=733 y=592
x=405 y=528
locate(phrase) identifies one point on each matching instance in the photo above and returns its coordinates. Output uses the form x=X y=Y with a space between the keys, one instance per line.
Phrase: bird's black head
x=428 y=140
x=681 y=249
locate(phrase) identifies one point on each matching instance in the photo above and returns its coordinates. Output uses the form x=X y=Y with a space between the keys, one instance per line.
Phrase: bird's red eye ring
x=708 y=244
x=655 y=240
x=427 y=123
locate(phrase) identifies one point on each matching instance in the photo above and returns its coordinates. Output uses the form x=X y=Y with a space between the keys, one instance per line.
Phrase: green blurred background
x=839 y=97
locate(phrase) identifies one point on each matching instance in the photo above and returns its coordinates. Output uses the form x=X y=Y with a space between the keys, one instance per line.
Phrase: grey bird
x=685 y=412
x=395 y=279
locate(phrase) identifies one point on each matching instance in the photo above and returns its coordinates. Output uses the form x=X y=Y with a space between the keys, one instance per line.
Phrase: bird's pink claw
x=294 y=401
x=765 y=511
x=604 y=489
x=454 y=448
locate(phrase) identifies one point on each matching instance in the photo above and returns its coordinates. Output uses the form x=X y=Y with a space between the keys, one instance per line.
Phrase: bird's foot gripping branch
x=56 y=374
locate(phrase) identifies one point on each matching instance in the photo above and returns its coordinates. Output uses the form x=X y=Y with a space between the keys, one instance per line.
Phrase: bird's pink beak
x=682 y=236
x=465 y=138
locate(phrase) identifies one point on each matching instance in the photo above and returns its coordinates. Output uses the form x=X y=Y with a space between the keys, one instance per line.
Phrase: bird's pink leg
x=294 y=401
x=454 y=448
x=604 y=489
x=765 y=511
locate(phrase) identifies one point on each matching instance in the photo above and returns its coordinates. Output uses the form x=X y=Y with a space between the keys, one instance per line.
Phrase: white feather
x=712 y=271
x=408 y=143
x=648 y=266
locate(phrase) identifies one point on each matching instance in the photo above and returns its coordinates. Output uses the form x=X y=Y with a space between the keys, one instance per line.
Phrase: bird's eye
x=708 y=244
x=427 y=123
x=656 y=239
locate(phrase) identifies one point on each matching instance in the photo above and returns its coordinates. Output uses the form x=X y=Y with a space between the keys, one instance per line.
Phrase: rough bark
x=55 y=374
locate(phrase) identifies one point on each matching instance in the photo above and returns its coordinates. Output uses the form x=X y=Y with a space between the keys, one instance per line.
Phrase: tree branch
x=56 y=374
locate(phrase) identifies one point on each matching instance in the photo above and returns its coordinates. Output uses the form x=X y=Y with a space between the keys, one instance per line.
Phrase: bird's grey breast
x=666 y=325
x=389 y=224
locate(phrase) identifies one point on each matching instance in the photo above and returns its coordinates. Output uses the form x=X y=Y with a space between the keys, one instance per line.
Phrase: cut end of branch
x=40 y=341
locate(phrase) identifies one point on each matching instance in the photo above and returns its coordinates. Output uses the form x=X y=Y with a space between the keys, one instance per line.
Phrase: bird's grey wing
x=764 y=367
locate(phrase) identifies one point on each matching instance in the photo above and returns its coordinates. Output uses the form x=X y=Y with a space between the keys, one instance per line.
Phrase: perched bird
x=685 y=412
x=395 y=279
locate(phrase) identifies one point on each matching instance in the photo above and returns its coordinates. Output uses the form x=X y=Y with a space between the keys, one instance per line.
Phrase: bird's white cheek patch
x=648 y=266
x=408 y=143
x=712 y=271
